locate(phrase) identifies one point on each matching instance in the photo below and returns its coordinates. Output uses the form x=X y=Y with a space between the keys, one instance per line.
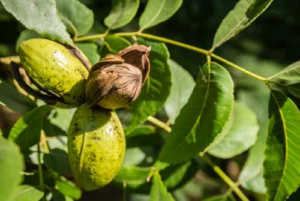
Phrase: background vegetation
x=265 y=47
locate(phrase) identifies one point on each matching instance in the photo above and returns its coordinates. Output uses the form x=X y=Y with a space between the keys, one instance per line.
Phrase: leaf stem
x=40 y=170
x=237 y=67
x=159 y=123
x=226 y=179
x=90 y=37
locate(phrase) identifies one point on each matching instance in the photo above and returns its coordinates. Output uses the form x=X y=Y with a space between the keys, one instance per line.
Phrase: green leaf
x=61 y=117
x=182 y=87
x=238 y=134
x=176 y=176
x=133 y=156
x=57 y=196
x=202 y=118
x=221 y=198
x=14 y=100
x=90 y=50
x=242 y=15
x=158 y=190
x=27 y=130
x=157 y=87
x=58 y=161
x=142 y=130
x=158 y=11
x=173 y=177
x=294 y=89
x=11 y=165
x=255 y=95
x=39 y=16
x=68 y=189
x=282 y=164
x=75 y=15
x=27 y=193
x=26 y=35
x=290 y=73
x=134 y=176
x=122 y=12
x=114 y=44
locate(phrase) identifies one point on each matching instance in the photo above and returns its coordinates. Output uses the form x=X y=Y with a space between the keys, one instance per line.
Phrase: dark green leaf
x=58 y=161
x=242 y=15
x=177 y=175
x=182 y=87
x=68 y=189
x=157 y=87
x=238 y=134
x=158 y=11
x=27 y=193
x=290 y=73
x=40 y=16
x=90 y=50
x=282 y=164
x=11 y=165
x=52 y=130
x=75 y=15
x=158 y=190
x=202 y=118
x=26 y=35
x=14 y=100
x=122 y=12
x=57 y=196
x=27 y=130
x=294 y=89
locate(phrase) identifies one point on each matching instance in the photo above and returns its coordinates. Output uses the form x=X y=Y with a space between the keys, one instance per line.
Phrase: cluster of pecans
x=96 y=140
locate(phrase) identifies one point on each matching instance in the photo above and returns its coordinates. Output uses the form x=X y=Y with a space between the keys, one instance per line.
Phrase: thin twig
x=226 y=179
x=159 y=123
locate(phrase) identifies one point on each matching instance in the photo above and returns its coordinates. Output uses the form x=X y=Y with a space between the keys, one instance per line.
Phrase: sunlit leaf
x=282 y=164
x=75 y=15
x=40 y=16
x=122 y=12
x=11 y=165
x=68 y=189
x=158 y=11
x=202 y=118
x=242 y=15
x=182 y=87
x=157 y=87
x=27 y=193
x=290 y=73
x=238 y=134
x=158 y=190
